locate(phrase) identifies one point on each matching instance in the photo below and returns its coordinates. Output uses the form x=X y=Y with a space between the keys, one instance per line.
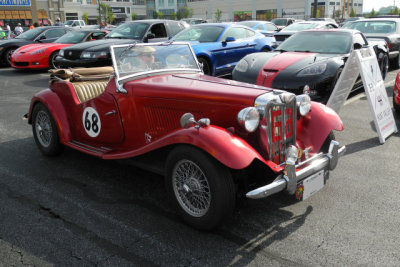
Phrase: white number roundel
x=91 y=122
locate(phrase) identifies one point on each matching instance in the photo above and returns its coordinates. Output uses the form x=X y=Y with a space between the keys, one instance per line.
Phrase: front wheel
x=52 y=60
x=200 y=188
x=8 y=54
x=45 y=131
x=206 y=65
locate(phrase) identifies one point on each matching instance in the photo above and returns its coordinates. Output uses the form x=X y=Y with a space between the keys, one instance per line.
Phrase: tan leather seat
x=89 y=90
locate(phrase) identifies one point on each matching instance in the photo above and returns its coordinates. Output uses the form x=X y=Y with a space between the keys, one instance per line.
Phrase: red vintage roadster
x=214 y=139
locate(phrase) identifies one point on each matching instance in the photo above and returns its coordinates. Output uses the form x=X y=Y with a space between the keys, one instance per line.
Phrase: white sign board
x=376 y=93
x=364 y=62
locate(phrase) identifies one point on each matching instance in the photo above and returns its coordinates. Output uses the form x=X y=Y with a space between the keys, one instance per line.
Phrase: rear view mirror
x=357 y=46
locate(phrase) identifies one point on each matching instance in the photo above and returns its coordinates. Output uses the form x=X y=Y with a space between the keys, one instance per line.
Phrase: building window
x=161 y=2
x=171 y=3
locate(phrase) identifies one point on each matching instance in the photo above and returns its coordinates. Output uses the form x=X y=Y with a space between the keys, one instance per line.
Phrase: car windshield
x=138 y=59
x=31 y=34
x=69 y=22
x=129 y=31
x=202 y=34
x=279 y=22
x=71 y=38
x=318 y=42
x=249 y=24
x=299 y=27
x=374 y=26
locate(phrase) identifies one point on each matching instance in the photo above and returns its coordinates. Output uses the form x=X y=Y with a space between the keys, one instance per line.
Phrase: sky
x=377 y=4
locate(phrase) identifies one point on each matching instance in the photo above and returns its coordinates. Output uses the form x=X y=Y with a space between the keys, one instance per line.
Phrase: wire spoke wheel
x=191 y=188
x=43 y=128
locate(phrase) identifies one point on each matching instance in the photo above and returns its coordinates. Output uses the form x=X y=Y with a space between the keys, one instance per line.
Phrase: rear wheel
x=52 y=58
x=7 y=55
x=206 y=65
x=384 y=66
x=45 y=131
x=200 y=188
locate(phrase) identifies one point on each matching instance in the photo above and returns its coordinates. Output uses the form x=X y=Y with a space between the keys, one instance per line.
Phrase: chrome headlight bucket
x=303 y=104
x=249 y=119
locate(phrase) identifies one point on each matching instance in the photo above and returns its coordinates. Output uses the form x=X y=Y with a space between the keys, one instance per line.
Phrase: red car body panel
x=278 y=62
x=36 y=61
x=396 y=92
x=147 y=118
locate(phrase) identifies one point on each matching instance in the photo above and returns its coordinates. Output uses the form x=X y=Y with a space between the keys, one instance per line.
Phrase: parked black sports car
x=387 y=29
x=314 y=58
x=37 y=35
x=97 y=53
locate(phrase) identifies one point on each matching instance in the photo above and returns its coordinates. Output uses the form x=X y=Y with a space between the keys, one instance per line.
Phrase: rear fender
x=57 y=110
x=313 y=128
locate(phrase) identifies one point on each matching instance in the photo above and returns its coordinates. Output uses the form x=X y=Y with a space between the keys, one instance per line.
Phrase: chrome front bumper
x=289 y=181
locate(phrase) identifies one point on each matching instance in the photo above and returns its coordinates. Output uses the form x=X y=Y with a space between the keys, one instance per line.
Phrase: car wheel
x=266 y=50
x=206 y=65
x=8 y=54
x=200 y=188
x=52 y=60
x=45 y=131
x=384 y=66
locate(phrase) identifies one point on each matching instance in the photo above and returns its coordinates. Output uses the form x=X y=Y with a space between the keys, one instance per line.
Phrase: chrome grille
x=72 y=54
x=280 y=128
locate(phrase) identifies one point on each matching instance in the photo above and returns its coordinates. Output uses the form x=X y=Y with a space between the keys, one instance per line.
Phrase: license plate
x=313 y=184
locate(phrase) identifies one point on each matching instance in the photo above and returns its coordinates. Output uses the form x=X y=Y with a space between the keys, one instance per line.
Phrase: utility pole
x=315 y=8
x=99 y=11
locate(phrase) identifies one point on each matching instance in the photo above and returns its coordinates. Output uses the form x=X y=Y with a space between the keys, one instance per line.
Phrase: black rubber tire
x=7 y=56
x=328 y=93
x=52 y=57
x=395 y=106
x=42 y=117
x=384 y=65
x=219 y=182
x=327 y=142
x=206 y=65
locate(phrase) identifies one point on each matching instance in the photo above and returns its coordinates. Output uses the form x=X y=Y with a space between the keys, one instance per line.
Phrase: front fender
x=57 y=110
x=227 y=148
x=313 y=129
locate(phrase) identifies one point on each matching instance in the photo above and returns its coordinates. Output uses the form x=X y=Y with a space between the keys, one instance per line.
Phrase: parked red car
x=214 y=139
x=42 y=55
x=396 y=93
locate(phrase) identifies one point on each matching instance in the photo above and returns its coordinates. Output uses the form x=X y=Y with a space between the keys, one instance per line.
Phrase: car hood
x=272 y=63
x=17 y=42
x=100 y=45
x=197 y=88
x=34 y=47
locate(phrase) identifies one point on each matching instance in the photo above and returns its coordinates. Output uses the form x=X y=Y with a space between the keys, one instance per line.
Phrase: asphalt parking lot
x=77 y=210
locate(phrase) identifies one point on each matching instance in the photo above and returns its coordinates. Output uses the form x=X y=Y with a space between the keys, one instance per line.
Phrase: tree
x=268 y=15
x=395 y=11
x=352 y=13
x=188 y=12
x=218 y=15
x=173 y=15
x=179 y=14
x=85 y=17
x=338 y=13
x=159 y=15
x=105 y=10
x=134 y=15
x=372 y=14
x=318 y=11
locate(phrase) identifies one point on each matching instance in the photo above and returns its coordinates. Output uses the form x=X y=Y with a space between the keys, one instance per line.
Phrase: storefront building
x=14 y=12
x=236 y=10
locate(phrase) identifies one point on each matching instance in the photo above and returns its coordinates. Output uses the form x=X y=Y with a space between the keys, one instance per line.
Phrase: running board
x=98 y=151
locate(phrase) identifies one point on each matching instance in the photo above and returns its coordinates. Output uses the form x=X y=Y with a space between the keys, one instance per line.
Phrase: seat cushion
x=89 y=90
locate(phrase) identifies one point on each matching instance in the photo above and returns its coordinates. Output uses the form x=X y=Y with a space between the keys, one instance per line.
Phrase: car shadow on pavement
x=83 y=196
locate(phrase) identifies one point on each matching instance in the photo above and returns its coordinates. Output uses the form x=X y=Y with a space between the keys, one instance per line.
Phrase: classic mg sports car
x=214 y=139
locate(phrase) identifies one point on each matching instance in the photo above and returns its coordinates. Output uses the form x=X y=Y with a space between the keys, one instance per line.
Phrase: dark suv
x=97 y=53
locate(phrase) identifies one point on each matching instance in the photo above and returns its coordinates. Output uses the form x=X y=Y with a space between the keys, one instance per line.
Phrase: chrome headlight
x=312 y=70
x=303 y=104
x=61 y=53
x=39 y=51
x=242 y=66
x=101 y=54
x=249 y=118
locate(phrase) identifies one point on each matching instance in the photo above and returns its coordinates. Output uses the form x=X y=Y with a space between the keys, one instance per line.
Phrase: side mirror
x=151 y=36
x=41 y=38
x=229 y=39
x=357 y=46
